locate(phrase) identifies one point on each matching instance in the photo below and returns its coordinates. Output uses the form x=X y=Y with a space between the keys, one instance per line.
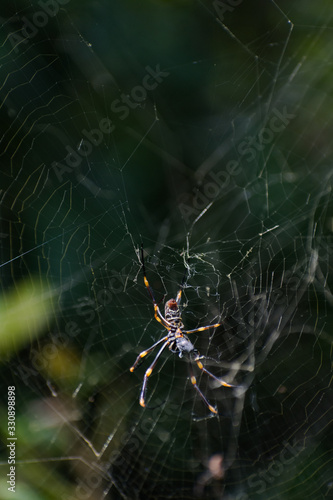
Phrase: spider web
x=203 y=131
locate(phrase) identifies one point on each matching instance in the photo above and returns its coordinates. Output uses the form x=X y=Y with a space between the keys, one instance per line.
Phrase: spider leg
x=158 y=315
x=179 y=294
x=202 y=368
x=147 y=351
x=194 y=383
x=202 y=328
x=148 y=373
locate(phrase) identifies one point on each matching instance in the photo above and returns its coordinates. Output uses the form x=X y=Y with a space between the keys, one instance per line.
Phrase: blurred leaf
x=24 y=314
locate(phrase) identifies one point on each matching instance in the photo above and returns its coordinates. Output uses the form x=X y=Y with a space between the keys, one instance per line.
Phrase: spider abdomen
x=172 y=314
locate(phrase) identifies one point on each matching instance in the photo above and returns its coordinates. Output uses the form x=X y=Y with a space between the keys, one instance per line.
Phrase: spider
x=176 y=339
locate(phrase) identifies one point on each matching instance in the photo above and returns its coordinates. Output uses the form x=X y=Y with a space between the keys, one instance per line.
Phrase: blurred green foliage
x=25 y=313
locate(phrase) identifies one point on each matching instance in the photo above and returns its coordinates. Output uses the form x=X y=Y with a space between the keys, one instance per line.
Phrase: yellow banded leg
x=149 y=372
x=202 y=328
x=179 y=294
x=160 y=318
x=158 y=314
x=201 y=366
x=144 y=353
x=194 y=383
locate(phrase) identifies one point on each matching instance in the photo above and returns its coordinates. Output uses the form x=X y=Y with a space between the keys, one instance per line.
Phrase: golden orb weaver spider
x=176 y=339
